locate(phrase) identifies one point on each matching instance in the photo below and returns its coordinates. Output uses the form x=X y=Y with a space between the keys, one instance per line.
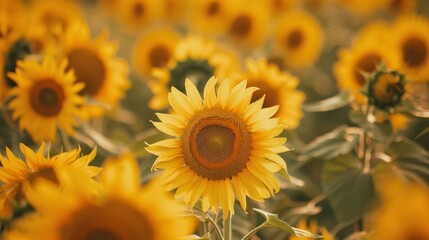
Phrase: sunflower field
x=214 y=119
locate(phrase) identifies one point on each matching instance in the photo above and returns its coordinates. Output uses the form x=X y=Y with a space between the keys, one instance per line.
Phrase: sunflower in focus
x=247 y=21
x=138 y=13
x=411 y=46
x=46 y=98
x=123 y=211
x=195 y=58
x=314 y=228
x=95 y=64
x=300 y=37
x=365 y=55
x=19 y=175
x=279 y=89
x=209 y=15
x=223 y=146
x=396 y=222
x=155 y=49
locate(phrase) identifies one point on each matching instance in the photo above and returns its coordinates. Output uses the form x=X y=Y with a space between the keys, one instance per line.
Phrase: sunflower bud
x=385 y=89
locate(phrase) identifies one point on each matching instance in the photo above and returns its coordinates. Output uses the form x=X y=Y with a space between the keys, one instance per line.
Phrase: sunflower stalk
x=227 y=227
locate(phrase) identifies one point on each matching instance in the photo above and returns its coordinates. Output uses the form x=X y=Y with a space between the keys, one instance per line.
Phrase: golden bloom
x=209 y=15
x=195 y=58
x=154 y=49
x=19 y=176
x=123 y=210
x=137 y=13
x=223 y=146
x=278 y=87
x=247 y=21
x=313 y=228
x=95 y=64
x=300 y=37
x=410 y=44
x=46 y=98
x=402 y=6
x=403 y=212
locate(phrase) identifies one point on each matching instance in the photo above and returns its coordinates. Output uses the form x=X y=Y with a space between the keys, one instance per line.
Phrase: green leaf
x=272 y=221
x=350 y=191
x=195 y=237
x=425 y=131
x=338 y=101
x=409 y=108
x=330 y=145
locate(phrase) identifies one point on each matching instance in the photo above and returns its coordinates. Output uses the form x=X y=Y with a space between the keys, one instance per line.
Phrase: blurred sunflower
x=313 y=228
x=46 y=98
x=247 y=22
x=363 y=7
x=173 y=10
x=154 y=49
x=209 y=15
x=300 y=37
x=19 y=175
x=365 y=55
x=279 y=88
x=223 y=146
x=402 y=6
x=277 y=7
x=411 y=46
x=396 y=222
x=95 y=64
x=12 y=23
x=123 y=211
x=138 y=13
x=195 y=58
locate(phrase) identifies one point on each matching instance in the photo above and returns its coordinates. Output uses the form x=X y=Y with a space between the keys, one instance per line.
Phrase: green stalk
x=227 y=230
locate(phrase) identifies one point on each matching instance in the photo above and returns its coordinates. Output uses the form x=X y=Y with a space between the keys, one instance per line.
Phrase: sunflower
x=402 y=6
x=363 y=7
x=365 y=55
x=224 y=146
x=277 y=7
x=300 y=37
x=19 y=176
x=138 y=13
x=411 y=46
x=278 y=87
x=46 y=98
x=95 y=64
x=154 y=49
x=12 y=23
x=247 y=21
x=313 y=228
x=195 y=58
x=209 y=15
x=124 y=210
x=393 y=220
x=173 y=10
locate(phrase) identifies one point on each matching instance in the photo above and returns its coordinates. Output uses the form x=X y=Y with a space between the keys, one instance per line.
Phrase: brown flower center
x=241 y=26
x=88 y=68
x=213 y=8
x=414 y=52
x=47 y=97
x=216 y=144
x=113 y=220
x=368 y=63
x=159 y=56
x=52 y=19
x=138 y=9
x=294 y=39
x=47 y=173
x=271 y=94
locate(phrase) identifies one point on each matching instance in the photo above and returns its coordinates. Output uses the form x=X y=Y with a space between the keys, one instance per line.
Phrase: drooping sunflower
x=95 y=64
x=123 y=211
x=410 y=44
x=365 y=55
x=154 y=49
x=19 y=176
x=138 y=13
x=46 y=98
x=208 y=16
x=224 y=146
x=247 y=21
x=300 y=37
x=279 y=88
x=393 y=220
x=195 y=58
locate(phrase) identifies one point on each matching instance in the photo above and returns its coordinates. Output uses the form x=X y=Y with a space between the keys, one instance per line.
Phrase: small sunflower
x=123 y=211
x=19 y=176
x=195 y=58
x=365 y=55
x=247 y=21
x=155 y=49
x=224 y=146
x=95 y=64
x=411 y=46
x=138 y=13
x=46 y=97
x=209 y=15
x=385 y=89
x=393 y=220
x=300 y=37
x=278 y=87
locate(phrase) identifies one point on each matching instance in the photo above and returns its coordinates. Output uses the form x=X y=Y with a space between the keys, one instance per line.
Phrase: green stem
x=253 y=231
x=365 y=158
x=216 y=227
x=227 y=233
